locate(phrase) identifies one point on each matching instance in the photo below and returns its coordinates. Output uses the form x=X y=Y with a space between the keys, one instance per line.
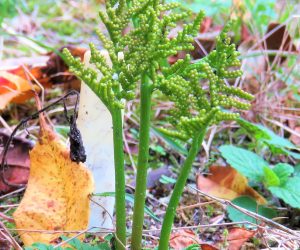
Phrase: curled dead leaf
x=227 y=183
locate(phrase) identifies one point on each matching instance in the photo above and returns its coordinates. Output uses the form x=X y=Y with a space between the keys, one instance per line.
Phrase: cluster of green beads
x=140 y=33
x=197 y=104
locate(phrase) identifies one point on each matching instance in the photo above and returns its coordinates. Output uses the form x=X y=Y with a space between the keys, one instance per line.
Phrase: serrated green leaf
x=245 y=162
x=251 y=205
x=270 y=178
x=289 y=192
x=283 y=172
x=129 y=198
x=276 y=143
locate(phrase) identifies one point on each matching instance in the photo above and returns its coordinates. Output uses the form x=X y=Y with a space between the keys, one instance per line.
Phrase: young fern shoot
x=138 y=43
x=201 y=97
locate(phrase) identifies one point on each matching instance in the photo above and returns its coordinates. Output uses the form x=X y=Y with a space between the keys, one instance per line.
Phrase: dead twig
x=7 y=218
x=249 y=213
x=9 y=237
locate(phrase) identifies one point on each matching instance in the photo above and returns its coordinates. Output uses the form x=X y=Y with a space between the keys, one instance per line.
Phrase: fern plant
x=198 y=90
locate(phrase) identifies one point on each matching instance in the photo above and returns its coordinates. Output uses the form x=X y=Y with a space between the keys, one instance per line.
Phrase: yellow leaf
x=57 y=194
x=227 y=183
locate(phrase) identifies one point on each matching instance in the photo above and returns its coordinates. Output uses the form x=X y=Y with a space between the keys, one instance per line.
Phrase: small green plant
x=199 y=92
x=278 y=179
x=267 y=138
x=251 y=205
x=72 y=244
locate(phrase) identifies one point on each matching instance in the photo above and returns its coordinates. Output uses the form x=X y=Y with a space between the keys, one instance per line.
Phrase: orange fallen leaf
x=227 y=183
x=57 y=194
x=16 y=84
x=238 y=236
x=13 y=87
x=184 y=238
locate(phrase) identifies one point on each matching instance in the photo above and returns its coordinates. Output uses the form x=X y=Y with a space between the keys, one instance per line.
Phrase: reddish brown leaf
x=245 y=33
x=279 y=39
x=184 y=238
x=294 y=138
x=17 y=160
x=56 y=71
x=238 y=236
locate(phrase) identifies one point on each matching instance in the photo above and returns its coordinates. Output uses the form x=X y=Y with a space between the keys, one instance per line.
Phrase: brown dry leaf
x=227 y=183
x=184 y=238
x=16 y=83
x=278 y=40
x=294 y=138
x=57 y=194
x=56 y=71
x=18 y=162
x=238 y=236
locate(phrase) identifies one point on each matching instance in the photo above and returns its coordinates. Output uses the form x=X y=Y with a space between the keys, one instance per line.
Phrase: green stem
x=178 y=189
x=142 y=166
x=119 y=178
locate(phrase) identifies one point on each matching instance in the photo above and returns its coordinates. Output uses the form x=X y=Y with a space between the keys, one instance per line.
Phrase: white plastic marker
x=95 y=124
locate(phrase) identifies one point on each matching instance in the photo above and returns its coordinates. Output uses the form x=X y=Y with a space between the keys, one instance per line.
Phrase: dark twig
x=22 y=122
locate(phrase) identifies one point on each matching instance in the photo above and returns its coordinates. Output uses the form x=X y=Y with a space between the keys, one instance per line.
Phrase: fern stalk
x=142 y=164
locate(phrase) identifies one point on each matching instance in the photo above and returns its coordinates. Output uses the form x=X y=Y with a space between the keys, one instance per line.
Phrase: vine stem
x=142 y=165
x=178 y=189
x=119 y=178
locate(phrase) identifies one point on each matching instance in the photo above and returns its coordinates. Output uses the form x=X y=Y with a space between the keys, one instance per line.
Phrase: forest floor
x=267 y=34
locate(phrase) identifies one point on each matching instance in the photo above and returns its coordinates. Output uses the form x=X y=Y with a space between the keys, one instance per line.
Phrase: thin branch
x=14 y=243
x=249 y=213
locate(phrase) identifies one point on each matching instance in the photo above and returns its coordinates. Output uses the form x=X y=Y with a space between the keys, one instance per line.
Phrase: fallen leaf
x=16 y=84
x=278 y=39
x=57 y=194
x=238 y=236
x=12 y=87
x=56 y=71
x=17 y=160
x=227 y=183
x=294 y=138
x=184 y=238
x=245 y=33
